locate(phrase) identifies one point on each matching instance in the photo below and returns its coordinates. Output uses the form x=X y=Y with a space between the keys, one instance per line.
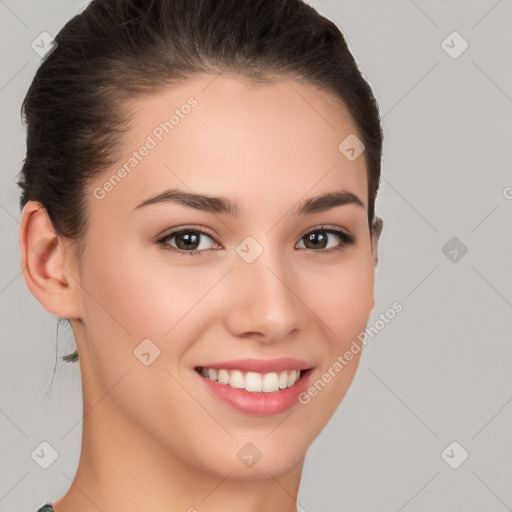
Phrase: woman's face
x=265 y=281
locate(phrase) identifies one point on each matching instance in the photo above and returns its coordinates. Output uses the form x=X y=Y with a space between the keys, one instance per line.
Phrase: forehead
x=229 y=136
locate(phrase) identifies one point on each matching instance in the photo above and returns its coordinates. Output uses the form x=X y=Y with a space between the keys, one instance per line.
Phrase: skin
x=154 y=434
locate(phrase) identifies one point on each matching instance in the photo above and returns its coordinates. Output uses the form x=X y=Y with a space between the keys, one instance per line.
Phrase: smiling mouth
x=252 y=381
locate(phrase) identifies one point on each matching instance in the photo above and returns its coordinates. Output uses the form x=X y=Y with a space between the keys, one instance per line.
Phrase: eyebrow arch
x=327 y=201
x=217 y=204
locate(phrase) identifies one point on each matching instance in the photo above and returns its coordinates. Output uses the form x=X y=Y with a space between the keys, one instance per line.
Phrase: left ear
x=377 y=225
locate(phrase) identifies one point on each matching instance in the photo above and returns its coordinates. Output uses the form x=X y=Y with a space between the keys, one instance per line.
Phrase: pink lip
x=258 y=404
x=260 y=365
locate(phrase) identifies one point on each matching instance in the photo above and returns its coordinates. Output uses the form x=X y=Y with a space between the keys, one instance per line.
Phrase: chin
x=251 y=463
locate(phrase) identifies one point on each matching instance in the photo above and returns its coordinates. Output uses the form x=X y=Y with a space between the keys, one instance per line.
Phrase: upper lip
x=260 y=365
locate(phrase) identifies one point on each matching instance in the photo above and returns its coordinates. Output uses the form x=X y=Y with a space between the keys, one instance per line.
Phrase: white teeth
x=270 y=382
x=223 y=377
x=292 y=378
x=236 y=380
x=252 y=381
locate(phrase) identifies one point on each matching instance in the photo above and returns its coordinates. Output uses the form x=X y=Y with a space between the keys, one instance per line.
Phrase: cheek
x=131 y=292
x=346 y=305
x=135 y=297
x=355 y=302
x=344 y=300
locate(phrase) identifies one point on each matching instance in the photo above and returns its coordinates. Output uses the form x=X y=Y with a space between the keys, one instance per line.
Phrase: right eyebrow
x=212 y=204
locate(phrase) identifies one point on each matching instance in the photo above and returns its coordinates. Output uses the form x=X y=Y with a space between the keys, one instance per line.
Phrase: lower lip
x=258 y=403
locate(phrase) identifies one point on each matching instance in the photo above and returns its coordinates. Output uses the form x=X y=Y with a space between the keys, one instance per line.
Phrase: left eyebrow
x=217 y=204
x=327 y=201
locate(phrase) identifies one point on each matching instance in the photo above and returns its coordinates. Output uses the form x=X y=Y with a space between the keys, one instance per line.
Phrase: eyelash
x=346 y=240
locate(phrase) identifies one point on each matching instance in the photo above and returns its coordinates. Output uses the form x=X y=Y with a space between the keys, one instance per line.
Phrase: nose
x=264 y=299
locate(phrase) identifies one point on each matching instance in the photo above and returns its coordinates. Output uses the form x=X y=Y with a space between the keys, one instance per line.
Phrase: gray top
x=46 y=508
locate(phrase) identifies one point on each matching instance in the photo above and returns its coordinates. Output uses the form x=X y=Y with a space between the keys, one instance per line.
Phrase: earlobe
x=43 y=261
x=377 y=226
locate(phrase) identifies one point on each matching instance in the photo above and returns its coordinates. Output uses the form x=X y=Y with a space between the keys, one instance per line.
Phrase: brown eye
x=320 y=240
x=189 y=241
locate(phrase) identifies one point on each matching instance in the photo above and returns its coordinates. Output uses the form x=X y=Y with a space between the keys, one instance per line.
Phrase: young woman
x=198 y=202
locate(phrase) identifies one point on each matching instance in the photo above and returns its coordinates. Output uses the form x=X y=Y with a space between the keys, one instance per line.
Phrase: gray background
x=439 y=372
